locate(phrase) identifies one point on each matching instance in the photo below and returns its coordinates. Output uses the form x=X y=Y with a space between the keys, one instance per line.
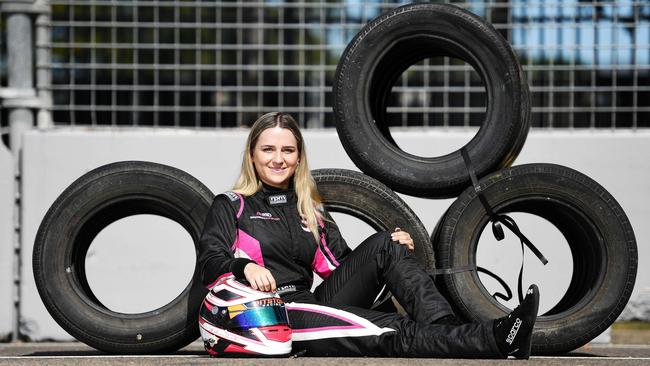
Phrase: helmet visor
x=260 y=316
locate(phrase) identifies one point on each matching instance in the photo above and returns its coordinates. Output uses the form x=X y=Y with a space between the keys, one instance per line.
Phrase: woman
x=272 y=231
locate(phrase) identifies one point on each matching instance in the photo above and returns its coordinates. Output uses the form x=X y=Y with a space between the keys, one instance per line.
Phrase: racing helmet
x=236 y=320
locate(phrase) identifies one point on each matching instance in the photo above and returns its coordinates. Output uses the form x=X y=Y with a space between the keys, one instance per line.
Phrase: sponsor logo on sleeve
x=232 y=195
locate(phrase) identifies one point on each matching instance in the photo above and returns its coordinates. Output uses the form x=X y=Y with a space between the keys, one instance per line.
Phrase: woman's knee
x=375 y=243
x=381 y=242
x=378 y=240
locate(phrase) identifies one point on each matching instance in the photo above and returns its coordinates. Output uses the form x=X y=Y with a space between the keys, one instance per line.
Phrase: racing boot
x=514 y=332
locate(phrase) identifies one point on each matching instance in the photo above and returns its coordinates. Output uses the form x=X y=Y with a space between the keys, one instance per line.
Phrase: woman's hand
x=403 y=238
x=259 y=277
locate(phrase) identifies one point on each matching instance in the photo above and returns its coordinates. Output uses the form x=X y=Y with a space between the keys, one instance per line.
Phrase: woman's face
x=275 y=157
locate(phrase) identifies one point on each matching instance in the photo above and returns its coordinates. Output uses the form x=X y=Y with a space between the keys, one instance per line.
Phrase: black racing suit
x=335 y=320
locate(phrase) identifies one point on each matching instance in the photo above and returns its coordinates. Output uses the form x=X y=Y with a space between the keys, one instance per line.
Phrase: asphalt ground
x=74 y=353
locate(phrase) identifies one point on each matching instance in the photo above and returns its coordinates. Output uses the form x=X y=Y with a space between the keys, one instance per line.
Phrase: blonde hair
x=304 y=185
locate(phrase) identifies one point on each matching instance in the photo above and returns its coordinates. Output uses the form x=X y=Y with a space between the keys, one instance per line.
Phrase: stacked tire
x=376 y=58
x=91 y=203
x=599 y=235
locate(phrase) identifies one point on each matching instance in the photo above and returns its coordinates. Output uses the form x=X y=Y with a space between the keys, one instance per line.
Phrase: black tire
x=597 y=230
x=88 y=205
x=369 y=200
x=375 y=59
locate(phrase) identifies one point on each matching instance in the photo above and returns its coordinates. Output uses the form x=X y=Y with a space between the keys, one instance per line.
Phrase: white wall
x=54 y=159
x=6 y=240
x=60 y=157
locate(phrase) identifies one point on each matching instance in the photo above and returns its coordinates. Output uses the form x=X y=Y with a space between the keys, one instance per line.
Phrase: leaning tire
x=88 y=205
x=375 y=59
x=369 y=200
x=597 y=230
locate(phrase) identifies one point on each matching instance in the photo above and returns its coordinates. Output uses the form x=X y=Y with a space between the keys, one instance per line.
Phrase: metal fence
x=222 y=63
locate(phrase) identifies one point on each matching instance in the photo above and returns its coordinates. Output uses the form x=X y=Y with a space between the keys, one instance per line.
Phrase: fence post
x=19 y=98
x=43 y=65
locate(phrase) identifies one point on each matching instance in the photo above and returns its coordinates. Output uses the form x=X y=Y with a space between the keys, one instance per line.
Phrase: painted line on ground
x=589 y=358
x=206 y=356
x=97 y=356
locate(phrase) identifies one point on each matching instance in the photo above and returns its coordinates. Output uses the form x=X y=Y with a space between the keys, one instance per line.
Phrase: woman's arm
x=219 y=234
x=334 y=240
x=403 y=238
x=331 y=249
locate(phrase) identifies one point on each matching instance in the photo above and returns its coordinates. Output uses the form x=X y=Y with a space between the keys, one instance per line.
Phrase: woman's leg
x=319 y=330
x=378 y=261
x=322 y=331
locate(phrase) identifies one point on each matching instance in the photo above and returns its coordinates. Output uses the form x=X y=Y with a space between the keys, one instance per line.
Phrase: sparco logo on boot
x=513 y=331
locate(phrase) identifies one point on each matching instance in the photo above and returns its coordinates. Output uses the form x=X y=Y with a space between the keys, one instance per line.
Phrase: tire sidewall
x=611 y=289
x=492 y=58
x=374 y=203
x=60 y=286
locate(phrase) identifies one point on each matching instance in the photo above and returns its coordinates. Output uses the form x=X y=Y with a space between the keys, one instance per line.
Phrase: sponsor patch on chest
x=264 y=216
x=278 y=199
